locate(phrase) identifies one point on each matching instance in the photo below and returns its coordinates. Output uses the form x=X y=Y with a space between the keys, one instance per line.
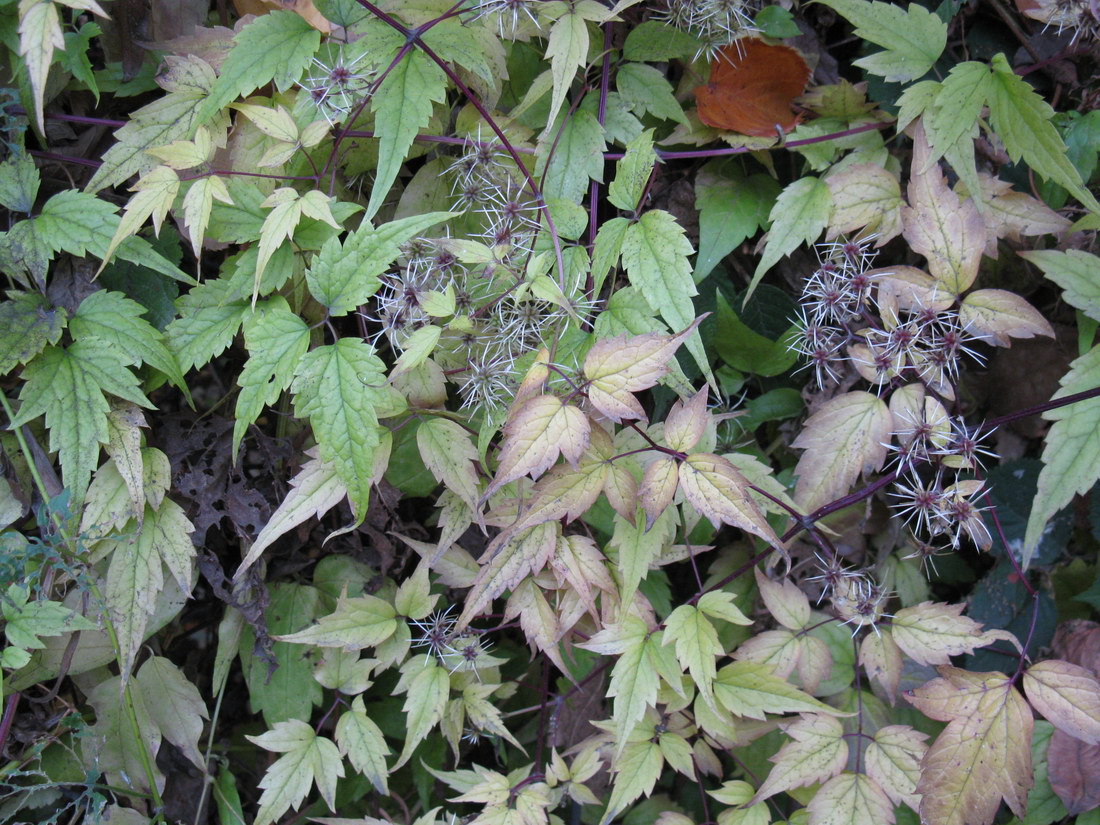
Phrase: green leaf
x=402 y=106
x=314 y=491
x=632 y=173
x=173 y=116
x=655 y=254
x=609 y=245
x=28 y=323
x=307 y=758
x=275 y=47
x=210 y=316
x=749 y=689
x=645 y=89
x=1022 y=119
x=358 y=622
x=801 y=212
x=276 y=339
x=79 y=223
x=657 y=42
x=732 y=207
x=343 y=276
x=958 y=105
x=361 y=741
x=290 y=692
x=112 y=744
x=424 y=706
x=746 y=350
x=178 y=709
x=115 y=318
x=634 y=680
x=638 y=548
x=913 y=39
x=1071 y=457
x=567 y=51
x=19 y=181
x=68 y=385
x=777 y=22
x=338 y=387
x=451 y=456
x=577 y=157
x=1076 y=271
x=26 y=621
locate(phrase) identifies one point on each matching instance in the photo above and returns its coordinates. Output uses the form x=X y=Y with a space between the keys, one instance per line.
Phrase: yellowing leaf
x=638 y=769
x=314 y=491
x=865 y=196
x=616 y=367
x=844 y=438
x=358 y=622
x=197 y=203
x=686 y=422
x=521 y=555
x=274 y=121
x=658 y=486
x=942 y=227
x=155 y=193
x=779 y=649
x=817 y=751
x=893 y=761
x=749 y=689
x=697 y=646
x=449 y=453
x=424 y=706
x=361 y=741
x=536 y=432
x=784 y=600
x=881 y=658
x=851 y=799
x=982 y=755
x=1068 y=696
x=931 y=633
x=719 y=492
x=997 y=315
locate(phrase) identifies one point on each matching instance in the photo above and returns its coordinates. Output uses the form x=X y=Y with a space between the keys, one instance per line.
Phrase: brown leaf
x=1073 y=769
x=752 y=87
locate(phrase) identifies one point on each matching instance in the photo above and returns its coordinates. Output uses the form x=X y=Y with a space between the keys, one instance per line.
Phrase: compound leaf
x=913 y=39
x=306 y=758
x=275 y=47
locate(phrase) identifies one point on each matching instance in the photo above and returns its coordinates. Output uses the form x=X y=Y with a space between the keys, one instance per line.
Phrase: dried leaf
x=752 y=87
